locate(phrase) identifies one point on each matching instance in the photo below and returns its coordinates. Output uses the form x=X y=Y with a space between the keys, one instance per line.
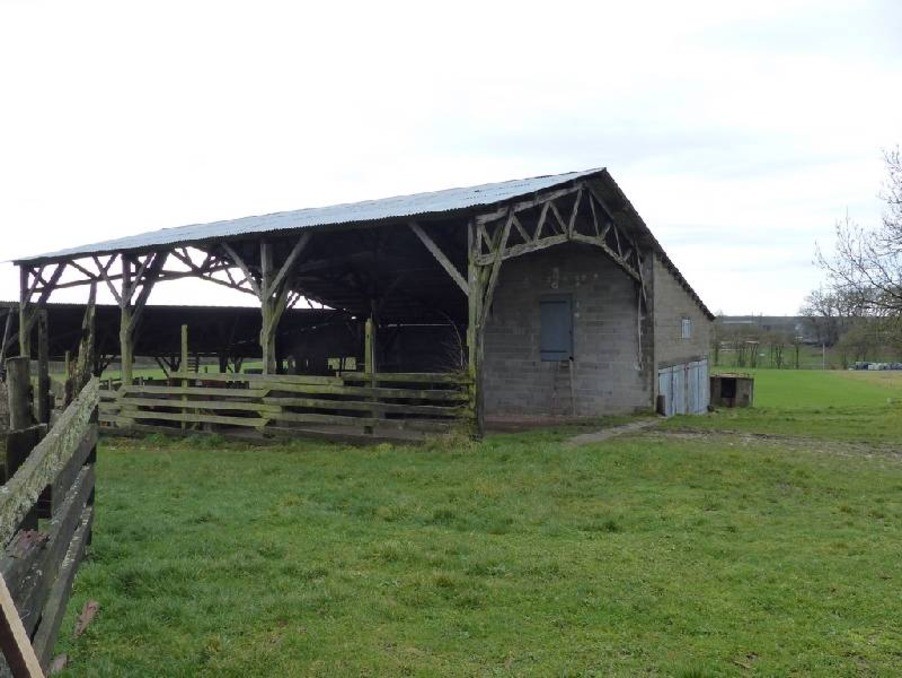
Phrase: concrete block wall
x=672 y=303
x=607 y=378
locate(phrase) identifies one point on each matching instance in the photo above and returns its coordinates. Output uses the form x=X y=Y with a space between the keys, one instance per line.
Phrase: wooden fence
x=405 y=405
x=46 y=513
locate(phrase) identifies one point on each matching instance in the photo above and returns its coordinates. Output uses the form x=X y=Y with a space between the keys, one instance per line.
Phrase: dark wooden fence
x=46 y=513
x=351 y=404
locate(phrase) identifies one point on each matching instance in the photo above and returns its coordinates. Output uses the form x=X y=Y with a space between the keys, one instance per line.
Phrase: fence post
x=42 y=396
x=369 y=364
x=183 y=367
x=18 y=383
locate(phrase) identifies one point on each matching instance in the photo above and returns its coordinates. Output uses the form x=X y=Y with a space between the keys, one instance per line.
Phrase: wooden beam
x=524 y=248
x=151 y=274
x=526 y=204
x=90 y=275
x=615 y=257
x=282 y=275
x=28 y=309
x=537 y=234
x=496 y=269
x=50 y=285
x=560 y=220
x=601 y=203
x=104 y=275
x=440 y=256
x=571 y=224
x=17 y=649
x=233 y=255
x=594 y=216
x=519 y=226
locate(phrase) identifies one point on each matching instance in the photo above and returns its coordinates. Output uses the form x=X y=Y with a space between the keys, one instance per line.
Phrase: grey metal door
x=685 y=387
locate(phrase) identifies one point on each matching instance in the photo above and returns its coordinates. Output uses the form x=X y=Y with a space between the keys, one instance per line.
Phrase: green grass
x=813 y=389
x=656 y=554
x=829 y=405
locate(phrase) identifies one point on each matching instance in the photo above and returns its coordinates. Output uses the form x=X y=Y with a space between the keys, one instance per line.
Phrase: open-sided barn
x=542 y=296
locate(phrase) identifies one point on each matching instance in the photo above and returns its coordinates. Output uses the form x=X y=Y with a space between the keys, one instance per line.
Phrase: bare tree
x=866 y=265
x=830 y=314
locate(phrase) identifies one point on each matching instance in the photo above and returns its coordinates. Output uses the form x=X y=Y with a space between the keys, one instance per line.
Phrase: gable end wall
x=672 y=303
x=607 y=377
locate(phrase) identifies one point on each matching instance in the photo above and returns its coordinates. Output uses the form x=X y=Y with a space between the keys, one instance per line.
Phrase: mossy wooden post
x=268 y=329
x=7 y=326
x=23 y=436
x=474 y=332
x=126 y=347
x=184 y=368
x=86 y=360
x=25 y=312
x=42 y=393
x=18 y=385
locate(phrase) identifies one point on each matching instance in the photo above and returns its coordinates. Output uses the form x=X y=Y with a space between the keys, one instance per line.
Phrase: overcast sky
x=740 y=131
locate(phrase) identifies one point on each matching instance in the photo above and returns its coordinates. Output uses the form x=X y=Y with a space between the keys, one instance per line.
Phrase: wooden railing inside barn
x=354 y=404
x=46 y=513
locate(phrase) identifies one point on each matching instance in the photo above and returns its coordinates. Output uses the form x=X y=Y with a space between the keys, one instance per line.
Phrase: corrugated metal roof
x=434 y=202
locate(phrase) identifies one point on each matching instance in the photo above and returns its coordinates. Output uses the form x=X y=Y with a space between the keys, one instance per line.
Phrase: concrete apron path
x=604 y=434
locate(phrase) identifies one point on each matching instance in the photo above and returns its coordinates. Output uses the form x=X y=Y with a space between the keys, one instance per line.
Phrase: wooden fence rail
x=356 y=404
x=46 y=513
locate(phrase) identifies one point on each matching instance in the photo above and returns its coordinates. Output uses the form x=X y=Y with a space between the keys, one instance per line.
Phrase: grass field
x=693 y=549
x=833 y=405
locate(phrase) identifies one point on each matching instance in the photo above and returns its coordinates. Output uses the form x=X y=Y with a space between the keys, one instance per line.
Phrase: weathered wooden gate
x=354 y=405
x=46 y=513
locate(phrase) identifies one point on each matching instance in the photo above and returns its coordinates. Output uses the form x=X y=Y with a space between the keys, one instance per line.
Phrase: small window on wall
x=686 y=328
x=556 y=332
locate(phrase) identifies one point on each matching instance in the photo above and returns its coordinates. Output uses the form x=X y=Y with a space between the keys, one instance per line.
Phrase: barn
x=525 y=299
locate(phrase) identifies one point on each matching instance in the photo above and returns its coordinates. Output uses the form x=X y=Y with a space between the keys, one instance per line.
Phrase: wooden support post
x=85 y=361
x=369 y=358
x=18 y=384
x=474 y=331
x=369 y=348
x=23 y=436
x=25 y=311
x=183 y=367
x=19 y=446
x=42 y=394
x=126 y=346
x=268 y=329
x=6 y=329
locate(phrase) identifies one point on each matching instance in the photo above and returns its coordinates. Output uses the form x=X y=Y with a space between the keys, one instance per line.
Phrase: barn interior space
x=226 y=336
